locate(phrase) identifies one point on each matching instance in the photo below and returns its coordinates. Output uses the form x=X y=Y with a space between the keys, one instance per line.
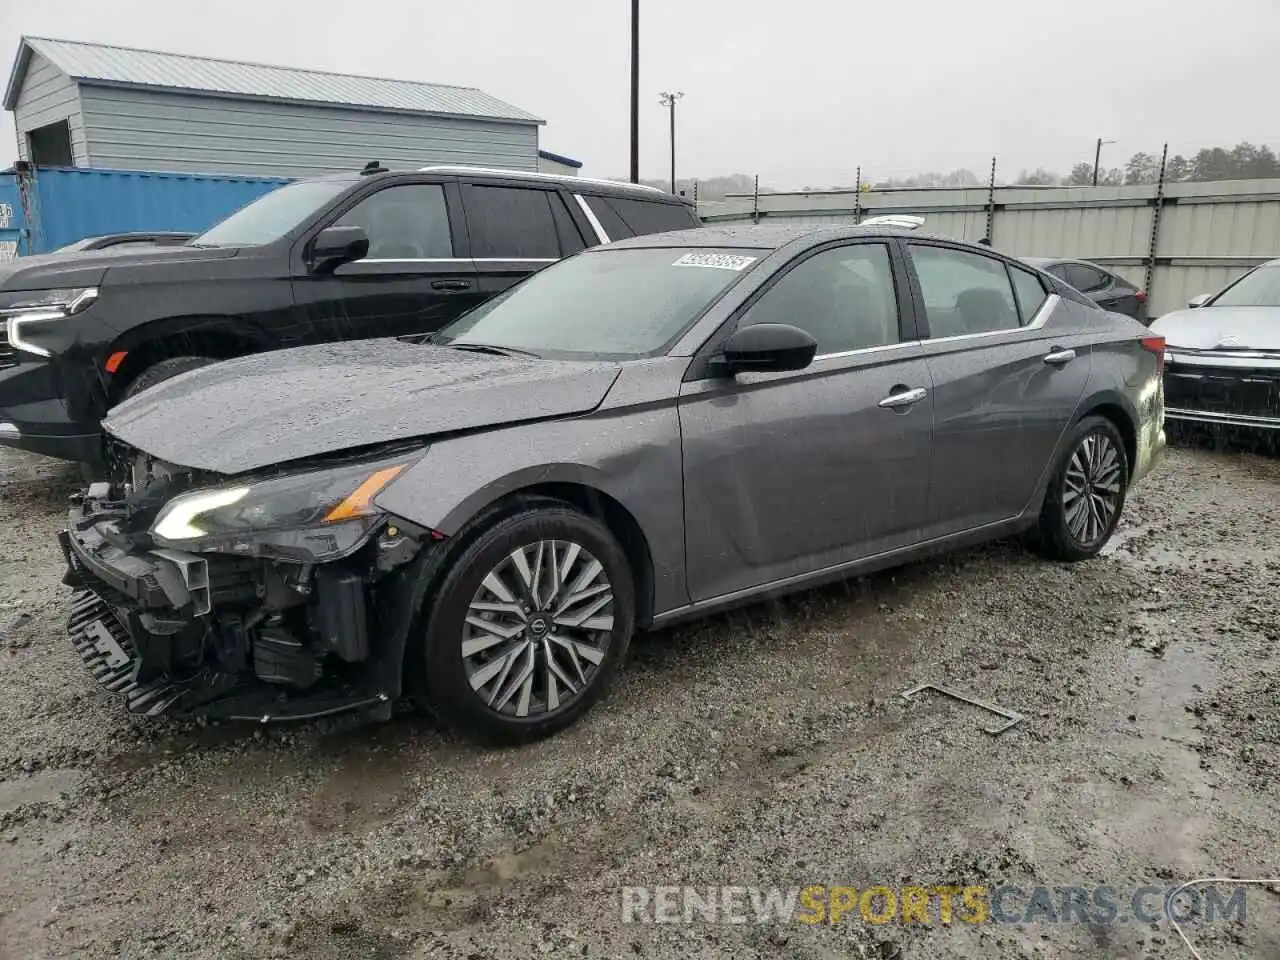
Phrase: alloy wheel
x=538 y=629
x=1091 y=488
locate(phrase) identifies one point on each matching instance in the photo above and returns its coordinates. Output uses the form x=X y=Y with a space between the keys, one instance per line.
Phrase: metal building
x=85 y=104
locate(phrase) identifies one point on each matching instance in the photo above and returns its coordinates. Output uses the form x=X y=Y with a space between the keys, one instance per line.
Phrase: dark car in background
x=644 y=433
x=368 y=254
x=1222 y=369
x=137 y=238
x=1108 y=290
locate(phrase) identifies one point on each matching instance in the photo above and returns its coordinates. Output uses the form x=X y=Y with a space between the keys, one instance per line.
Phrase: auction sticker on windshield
x=721 y=261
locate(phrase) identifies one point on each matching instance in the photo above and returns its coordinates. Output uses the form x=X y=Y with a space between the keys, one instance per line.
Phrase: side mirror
x=1199 y=301
x=768 y=348
x=334 y=246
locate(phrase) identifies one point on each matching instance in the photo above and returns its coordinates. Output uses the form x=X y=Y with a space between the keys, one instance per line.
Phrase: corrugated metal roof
x=93 y=63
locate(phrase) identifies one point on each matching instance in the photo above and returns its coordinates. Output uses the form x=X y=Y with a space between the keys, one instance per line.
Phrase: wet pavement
x=767 y=748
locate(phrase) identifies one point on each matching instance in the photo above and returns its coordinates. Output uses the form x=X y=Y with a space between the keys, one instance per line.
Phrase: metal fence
x=1175 y=239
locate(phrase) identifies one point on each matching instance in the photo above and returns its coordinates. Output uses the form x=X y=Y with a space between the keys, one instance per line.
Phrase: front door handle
x=1058 y=357
x=902 y=397
x=450 y=285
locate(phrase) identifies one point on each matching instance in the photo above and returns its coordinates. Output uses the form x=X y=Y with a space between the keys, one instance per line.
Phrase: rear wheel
x=1086 y=495
x=529 y=625
x=159 y=372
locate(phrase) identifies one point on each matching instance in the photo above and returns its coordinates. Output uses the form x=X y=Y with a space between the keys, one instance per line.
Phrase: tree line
x=1244 y=161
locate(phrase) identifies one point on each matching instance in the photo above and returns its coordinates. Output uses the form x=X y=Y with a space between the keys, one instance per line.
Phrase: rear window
x=629 y=217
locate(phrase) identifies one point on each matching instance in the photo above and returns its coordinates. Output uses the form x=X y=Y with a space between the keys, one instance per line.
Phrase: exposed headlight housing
x=41 y=306
x=309 y=517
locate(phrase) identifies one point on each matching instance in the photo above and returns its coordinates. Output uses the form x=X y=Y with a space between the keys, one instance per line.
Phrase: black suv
x=369 y=254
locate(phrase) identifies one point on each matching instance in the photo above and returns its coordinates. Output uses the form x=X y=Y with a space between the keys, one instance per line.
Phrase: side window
x=1086 y=279
x=963 y=292
x=1030 y=292
x=651 y=216
x=843 y=297
x=512 y=223
x=408 y=222
x=1058 y=270
x=613 y=224
x=566 y=230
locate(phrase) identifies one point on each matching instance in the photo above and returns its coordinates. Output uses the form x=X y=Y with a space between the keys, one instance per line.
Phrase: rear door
x=516 y=230
x=416 y=277
x=1006 y=381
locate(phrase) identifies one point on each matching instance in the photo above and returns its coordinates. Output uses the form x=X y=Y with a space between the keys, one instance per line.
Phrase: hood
x=1221 y=328
x=271 y=408
x=47 y=271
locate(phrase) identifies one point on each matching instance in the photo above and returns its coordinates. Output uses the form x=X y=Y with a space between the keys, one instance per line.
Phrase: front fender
x=631 y=454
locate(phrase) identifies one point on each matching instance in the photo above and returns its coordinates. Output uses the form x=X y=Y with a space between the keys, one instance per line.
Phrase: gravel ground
x=764 y=748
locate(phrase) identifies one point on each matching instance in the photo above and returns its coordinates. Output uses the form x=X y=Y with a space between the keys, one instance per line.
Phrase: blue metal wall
x=67 y=204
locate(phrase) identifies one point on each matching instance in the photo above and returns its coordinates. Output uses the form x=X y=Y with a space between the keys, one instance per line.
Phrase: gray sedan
x=647 y=432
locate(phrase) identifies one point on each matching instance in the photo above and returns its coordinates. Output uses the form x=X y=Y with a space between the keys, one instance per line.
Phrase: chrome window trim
x=1038 y=321
x=840 y=354
x=592 y=218
x=458 y=260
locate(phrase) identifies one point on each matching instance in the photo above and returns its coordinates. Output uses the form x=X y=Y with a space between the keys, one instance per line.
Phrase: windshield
x=1258 y=288
x=606 y=304
x=271 y=216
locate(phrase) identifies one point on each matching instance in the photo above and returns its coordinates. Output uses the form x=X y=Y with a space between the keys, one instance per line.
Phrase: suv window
x=570 y=236
x=408 y=222
x=613 y=224
x=651 y=216
x=843 y=298
x=1030 y=292
x=963 y=292
x=512 y=223
x=1086 y=279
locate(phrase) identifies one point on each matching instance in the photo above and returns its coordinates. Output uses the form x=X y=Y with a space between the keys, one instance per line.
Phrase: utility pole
x=668 y=100
x=1097 y=157
x=635 y=91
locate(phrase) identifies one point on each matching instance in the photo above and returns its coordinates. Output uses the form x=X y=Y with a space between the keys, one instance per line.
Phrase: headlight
x=40 y=306
x=321 y=515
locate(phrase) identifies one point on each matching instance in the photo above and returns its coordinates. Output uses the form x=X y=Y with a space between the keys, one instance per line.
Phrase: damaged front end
x=1223 y=388
x=269 y=597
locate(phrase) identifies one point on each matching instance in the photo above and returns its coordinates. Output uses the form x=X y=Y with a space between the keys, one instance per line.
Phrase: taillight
x=1141 y=296
x=1156 y=346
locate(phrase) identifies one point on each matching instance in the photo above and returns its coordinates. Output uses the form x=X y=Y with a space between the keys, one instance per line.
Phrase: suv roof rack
x=554 y=177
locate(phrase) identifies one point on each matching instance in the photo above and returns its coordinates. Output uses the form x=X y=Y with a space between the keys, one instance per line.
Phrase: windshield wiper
x=491 y=349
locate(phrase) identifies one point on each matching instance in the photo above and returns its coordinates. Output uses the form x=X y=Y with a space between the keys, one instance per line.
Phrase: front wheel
x=1085 y=496
x=529 y=625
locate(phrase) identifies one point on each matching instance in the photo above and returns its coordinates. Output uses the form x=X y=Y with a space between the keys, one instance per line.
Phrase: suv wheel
x=529 y=625
x=158 y=372
x=1085 y=496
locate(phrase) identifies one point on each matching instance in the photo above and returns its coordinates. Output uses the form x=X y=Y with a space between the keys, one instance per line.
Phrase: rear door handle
x=1058 y=357
x=904 y=397
x=450 y=285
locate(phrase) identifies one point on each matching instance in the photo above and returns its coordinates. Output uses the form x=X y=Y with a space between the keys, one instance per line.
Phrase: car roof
x=768 y=236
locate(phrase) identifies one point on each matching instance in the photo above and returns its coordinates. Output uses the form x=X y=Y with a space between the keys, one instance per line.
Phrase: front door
x=413 y=279
x=1006 y=378
x=787 y=474
x=516 y=231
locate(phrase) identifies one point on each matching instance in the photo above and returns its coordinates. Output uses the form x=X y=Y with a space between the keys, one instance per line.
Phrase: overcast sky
x=799 y=91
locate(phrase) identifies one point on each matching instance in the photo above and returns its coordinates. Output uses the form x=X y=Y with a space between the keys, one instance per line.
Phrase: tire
x=165 y=369
x=1065 y=533
x=481 y=694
